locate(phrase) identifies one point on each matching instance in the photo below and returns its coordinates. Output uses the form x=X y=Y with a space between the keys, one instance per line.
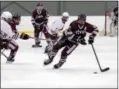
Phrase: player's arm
x=46 y=15
x=93 y=30
x=69 y=31
x=33 y=18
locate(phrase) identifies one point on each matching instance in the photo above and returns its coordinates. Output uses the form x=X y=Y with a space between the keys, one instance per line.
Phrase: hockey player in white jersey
x=7 y=36
x=55 y=30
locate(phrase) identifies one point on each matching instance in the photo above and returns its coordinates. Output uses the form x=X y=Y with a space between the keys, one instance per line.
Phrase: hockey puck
x=95 y=72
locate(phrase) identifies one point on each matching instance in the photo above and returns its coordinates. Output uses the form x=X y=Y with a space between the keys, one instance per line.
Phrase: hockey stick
x=102 y=70
x=39 y=38
x=3 y=55
x=3 y=50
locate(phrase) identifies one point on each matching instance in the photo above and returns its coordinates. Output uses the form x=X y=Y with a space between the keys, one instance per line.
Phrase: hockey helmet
x=82 y=16
x=65 y=16
x=16 y=18
x=6 y=15
x=39 y=4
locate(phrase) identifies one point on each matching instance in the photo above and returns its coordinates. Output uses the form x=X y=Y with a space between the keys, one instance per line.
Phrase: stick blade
x=106 y=69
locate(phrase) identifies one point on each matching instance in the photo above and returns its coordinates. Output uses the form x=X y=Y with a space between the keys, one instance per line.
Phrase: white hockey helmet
x=6 y=15
x=65 y=16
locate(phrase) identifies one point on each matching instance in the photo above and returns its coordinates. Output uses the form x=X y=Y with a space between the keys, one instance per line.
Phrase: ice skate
x=48 y=61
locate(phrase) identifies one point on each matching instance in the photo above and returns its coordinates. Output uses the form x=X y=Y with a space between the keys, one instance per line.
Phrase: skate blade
x=9 y=62
x=36 y=46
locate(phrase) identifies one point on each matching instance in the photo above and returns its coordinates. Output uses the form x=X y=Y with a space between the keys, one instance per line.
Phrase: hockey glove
x=15 y=36
x=24 y=36
x=83 y=42
x=91 y=40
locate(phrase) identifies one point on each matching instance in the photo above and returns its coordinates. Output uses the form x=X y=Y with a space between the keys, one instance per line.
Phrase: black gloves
x=91 y=39
x=24 y=36
x=83 y=42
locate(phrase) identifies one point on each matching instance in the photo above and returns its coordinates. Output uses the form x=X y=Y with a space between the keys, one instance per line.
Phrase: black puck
x=95 y=72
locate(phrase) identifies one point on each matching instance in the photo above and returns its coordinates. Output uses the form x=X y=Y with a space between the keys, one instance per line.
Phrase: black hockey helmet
x=82 y=16
x=39 y=4
x=16 y=16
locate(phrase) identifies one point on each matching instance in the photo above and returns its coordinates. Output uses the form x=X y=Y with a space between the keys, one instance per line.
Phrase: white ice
x=78 y=72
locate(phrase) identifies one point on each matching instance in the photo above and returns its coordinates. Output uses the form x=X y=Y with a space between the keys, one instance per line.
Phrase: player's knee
x=16 y=48
x=55 y=50
x=64 y=56
x=56 y=47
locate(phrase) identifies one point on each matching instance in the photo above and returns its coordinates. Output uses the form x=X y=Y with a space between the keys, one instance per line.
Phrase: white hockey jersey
x=6 y=30
x=56 y=26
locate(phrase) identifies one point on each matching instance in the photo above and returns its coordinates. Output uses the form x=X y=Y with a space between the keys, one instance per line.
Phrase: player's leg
x=46 y=33
x=36 y=35
x=48 y=37
x=58 y=45
x=66 y=51
x=49 y=47
x=52 y=40
x=13 y=46
x=3 y=43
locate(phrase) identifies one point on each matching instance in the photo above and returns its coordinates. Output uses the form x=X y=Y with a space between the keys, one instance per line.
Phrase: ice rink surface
x=78 y=72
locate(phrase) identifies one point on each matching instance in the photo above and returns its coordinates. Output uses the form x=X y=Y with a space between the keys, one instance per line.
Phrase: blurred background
x=96 y=12
x=55 y=8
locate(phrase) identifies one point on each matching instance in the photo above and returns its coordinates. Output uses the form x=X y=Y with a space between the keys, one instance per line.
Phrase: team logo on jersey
x=38 y=17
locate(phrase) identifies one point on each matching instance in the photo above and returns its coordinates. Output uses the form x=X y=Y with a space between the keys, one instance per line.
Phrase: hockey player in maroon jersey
x=16 y=18
x=71 y=38
x=39 y=21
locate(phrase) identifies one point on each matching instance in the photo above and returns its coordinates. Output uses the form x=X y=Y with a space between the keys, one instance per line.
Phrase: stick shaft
x=39 y=38
x=96 y=57
x=4 y=55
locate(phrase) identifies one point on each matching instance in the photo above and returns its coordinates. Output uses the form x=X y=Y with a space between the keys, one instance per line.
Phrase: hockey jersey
x=56 y=26
x=6 y=30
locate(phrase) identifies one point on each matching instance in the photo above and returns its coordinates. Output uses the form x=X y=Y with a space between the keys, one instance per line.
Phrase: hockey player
x=39 y=21
x=7 y=36
x=115 y=11
x=16 y=18
x=114 y=23
x=55 y=29
x=71 y=38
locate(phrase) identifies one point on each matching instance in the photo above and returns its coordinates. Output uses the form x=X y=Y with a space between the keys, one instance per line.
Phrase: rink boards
x=26 y=25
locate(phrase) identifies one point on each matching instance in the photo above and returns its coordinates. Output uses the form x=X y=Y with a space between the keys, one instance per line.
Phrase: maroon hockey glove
x=24 y=36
